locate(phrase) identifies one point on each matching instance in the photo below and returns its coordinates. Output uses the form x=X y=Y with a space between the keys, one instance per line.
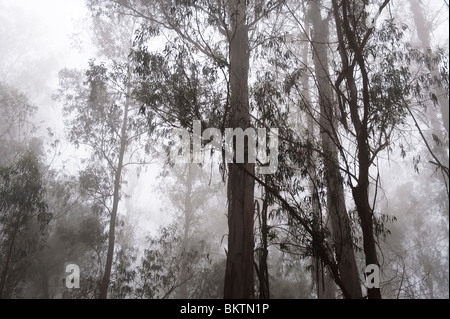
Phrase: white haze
x=45 y=37
x=53 y=34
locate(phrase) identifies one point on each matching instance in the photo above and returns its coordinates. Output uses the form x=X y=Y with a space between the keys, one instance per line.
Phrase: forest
x=224 y=149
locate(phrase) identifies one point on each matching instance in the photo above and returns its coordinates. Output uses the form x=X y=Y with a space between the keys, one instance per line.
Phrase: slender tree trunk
x=340 y=223
x=263 y=252
x=324 y=284
x=424 y=30
x=8 y=257
x=116 y=196
x=182 y=292
x=360 y=191
x=239 y=273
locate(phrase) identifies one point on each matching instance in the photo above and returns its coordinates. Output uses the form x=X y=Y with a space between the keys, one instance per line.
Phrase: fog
x=92 y=91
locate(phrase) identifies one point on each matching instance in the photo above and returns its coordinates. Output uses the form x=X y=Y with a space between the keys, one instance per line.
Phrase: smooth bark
x=116 y=197
x=239 y=273
x=182 y=291
x=424 y=31
x=340 y=223
x=8 y=257
x=359 y=114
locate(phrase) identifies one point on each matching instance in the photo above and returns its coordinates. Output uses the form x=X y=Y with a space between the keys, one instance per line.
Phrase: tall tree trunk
x=116 y=196
x=424 y=31
x=325 y=286
x=239 y=268
x=182 y=292
x=340 y=223
x=360 y=191
x=8 y=258
x=263 y=252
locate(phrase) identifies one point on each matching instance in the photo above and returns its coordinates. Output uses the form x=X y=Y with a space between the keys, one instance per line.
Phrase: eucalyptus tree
x=424 y=30
x=374 y=81
x=76 y=235
x=375 y=87
x=300 y=99
x=203 y=73
x=102 y=115
x=288 y=89
x=22 y=190
x=437 y=106
x=354 y=33
x=192 y=198
x=217 y=32
x=340 y=223
x=178 y=257
x=161 y=272
x=23 y=218
x=16 y=126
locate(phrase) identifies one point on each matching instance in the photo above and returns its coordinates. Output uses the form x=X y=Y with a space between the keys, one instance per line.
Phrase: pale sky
x=54 y=34
x=52 y=21
x=51 y=29
x=43 y=37
x=41 y=41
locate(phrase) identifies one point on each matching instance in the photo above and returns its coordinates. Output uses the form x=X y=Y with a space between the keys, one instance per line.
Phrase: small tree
x=22 y=208
x=15 y=125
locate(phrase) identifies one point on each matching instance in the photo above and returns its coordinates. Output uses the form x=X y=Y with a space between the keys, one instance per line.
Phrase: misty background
x=76 y=76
